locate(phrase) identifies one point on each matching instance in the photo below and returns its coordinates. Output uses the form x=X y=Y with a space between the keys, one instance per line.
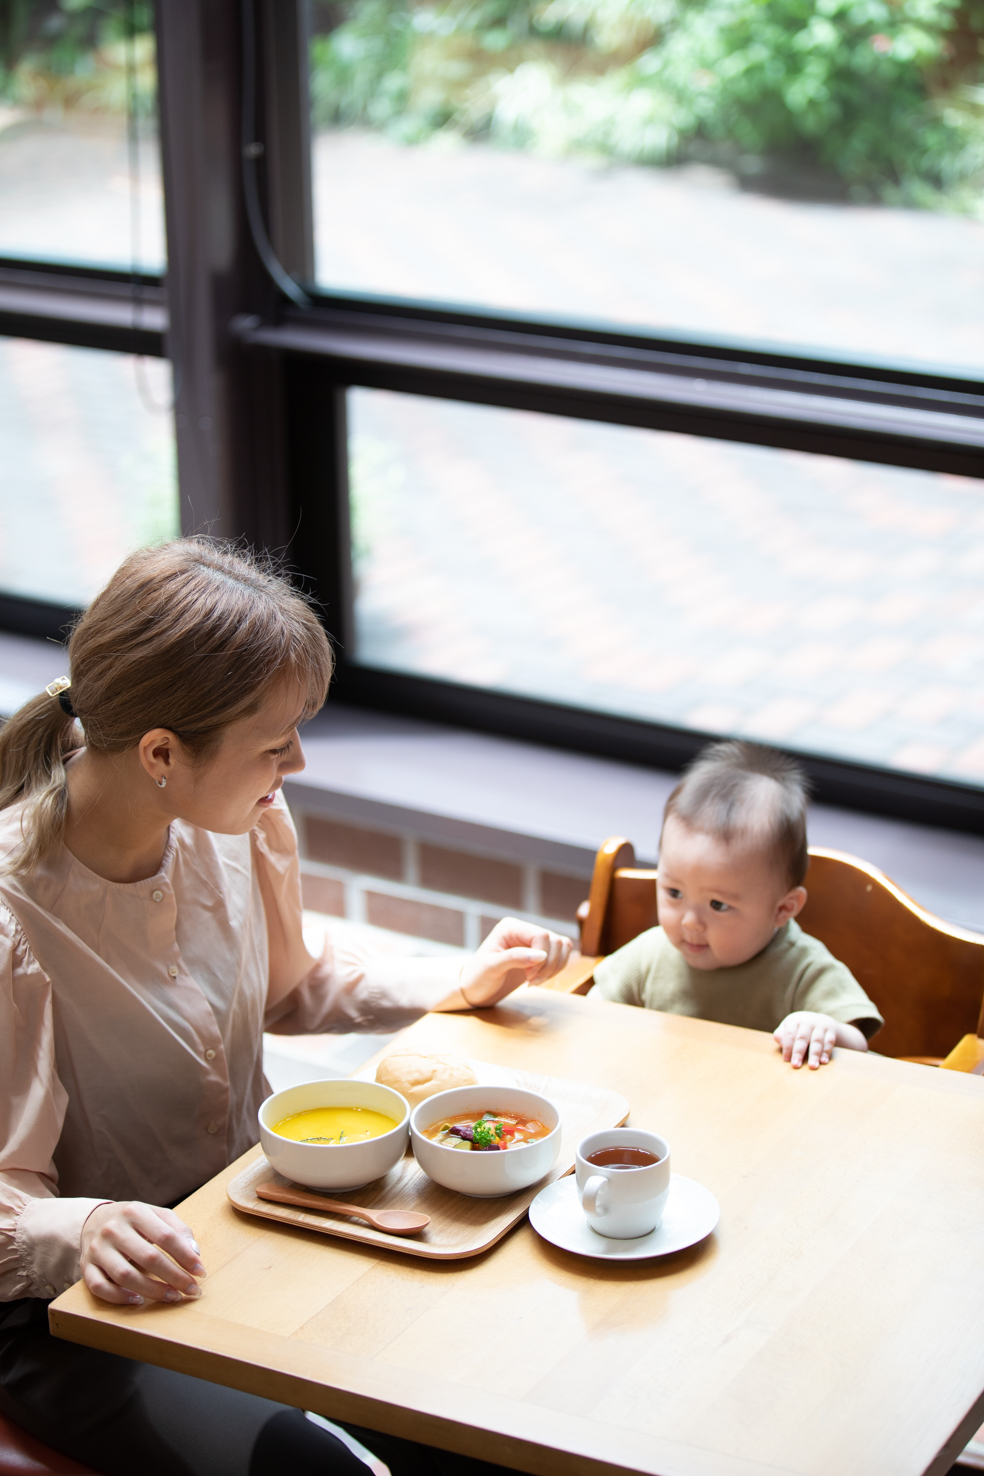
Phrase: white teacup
x=623 y=1201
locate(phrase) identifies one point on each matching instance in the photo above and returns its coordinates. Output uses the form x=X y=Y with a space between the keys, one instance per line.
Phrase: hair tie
x=59 y=688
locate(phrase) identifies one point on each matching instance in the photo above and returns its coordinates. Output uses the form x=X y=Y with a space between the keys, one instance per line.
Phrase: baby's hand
x=805 y=1035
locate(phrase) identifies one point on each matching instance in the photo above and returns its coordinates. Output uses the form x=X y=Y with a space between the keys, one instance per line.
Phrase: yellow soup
x=335 y=1125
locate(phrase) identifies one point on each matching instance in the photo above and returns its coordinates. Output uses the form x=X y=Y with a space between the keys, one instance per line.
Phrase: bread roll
x=417 y=1076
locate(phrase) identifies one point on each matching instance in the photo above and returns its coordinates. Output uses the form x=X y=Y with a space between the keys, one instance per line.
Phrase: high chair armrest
x=577 y=974
x=967 y=1055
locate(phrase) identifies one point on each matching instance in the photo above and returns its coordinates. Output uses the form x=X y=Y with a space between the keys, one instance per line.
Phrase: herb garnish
x=487 y=1131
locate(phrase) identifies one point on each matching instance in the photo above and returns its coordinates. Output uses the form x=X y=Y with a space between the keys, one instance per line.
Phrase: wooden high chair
x=926 y=976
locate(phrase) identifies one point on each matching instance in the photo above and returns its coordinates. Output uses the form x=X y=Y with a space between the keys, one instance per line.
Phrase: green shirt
x=793 y=972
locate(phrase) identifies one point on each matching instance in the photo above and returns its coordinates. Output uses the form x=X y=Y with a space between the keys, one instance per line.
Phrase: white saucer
x=691 y=1213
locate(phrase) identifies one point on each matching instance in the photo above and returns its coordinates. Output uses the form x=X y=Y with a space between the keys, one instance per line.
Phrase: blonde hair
x=188 y=637
x=738 y=789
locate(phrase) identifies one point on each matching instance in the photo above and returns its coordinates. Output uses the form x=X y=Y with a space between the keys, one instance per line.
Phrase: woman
x=150 y=930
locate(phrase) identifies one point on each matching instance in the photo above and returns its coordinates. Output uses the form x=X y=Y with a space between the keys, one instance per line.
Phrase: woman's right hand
x=126 y=1245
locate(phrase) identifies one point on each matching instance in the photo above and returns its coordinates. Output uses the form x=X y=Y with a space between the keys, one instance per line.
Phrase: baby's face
x=719 y=904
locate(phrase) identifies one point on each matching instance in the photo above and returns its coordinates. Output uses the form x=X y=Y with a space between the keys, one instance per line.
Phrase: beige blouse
x=131 y=1023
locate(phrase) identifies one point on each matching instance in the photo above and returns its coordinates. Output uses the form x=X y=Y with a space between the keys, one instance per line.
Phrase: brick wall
x=399 y=881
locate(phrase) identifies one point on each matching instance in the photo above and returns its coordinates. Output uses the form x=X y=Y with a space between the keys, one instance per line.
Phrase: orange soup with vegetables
x=486 y=1132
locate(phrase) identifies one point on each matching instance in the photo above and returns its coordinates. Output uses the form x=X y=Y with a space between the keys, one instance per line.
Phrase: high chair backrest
x=622 y=901
x=926 y=976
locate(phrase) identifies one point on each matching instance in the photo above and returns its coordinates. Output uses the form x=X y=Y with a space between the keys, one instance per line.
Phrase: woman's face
x=239 y=781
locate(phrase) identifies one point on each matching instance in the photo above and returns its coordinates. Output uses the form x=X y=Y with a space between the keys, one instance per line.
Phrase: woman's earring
x=162 y=782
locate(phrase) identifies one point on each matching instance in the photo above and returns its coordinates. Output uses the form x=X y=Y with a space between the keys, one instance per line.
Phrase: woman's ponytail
x=34 y=744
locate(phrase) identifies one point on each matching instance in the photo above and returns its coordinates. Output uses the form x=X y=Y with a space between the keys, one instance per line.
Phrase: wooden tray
x=460 y=1226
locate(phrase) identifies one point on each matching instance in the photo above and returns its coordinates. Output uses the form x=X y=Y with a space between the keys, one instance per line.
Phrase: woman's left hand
x=514 y=953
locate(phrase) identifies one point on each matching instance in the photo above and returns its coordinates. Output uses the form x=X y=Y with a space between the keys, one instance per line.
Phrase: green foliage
x=848 y=79
x=73 y=53
x=359 y=70
x=885 y=93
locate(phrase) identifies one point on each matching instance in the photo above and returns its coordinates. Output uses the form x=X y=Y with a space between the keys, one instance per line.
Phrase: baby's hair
x=190 y=636
x=736 y=790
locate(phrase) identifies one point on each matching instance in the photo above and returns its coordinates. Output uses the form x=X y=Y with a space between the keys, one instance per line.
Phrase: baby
x=732 y=861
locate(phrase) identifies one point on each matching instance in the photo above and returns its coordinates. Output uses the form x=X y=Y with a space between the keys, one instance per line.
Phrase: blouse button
x=173 y=971
x=157 y=896
x=210 y=1055
x=50 y=1289
x=213 y=1127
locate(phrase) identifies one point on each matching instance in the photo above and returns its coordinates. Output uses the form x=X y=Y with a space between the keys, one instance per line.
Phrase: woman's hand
x=514 y=953
x=126 y=1245
x=806 y=1035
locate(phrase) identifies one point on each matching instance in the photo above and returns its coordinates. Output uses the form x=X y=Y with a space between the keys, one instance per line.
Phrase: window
x=80 y=176
x=87 y=432
x=457 y=294
x=790 y=175
x=88 y=453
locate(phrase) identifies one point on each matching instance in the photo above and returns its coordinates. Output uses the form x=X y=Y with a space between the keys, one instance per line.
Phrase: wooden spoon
x=394 y=1222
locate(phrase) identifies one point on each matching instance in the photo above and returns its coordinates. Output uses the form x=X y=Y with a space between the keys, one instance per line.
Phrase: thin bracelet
x=461 y=991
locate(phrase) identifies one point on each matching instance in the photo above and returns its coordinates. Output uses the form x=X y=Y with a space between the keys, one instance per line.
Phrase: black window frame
x=261 y=385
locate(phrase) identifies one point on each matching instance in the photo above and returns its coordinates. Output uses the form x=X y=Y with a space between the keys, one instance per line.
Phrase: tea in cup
x=623 y=1181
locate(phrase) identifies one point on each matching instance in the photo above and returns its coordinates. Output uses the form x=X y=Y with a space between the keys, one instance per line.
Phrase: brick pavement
x=823 y=604
x=87 y=457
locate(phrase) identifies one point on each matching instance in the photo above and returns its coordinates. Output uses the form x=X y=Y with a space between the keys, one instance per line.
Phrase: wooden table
x=834 y=1324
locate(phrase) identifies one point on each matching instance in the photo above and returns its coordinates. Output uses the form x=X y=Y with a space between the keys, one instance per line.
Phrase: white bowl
x=334 y=1165
x=485 y=1175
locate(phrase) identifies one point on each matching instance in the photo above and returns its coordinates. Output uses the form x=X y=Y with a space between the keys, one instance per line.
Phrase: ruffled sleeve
x=347 y=988
x=39 y=1233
